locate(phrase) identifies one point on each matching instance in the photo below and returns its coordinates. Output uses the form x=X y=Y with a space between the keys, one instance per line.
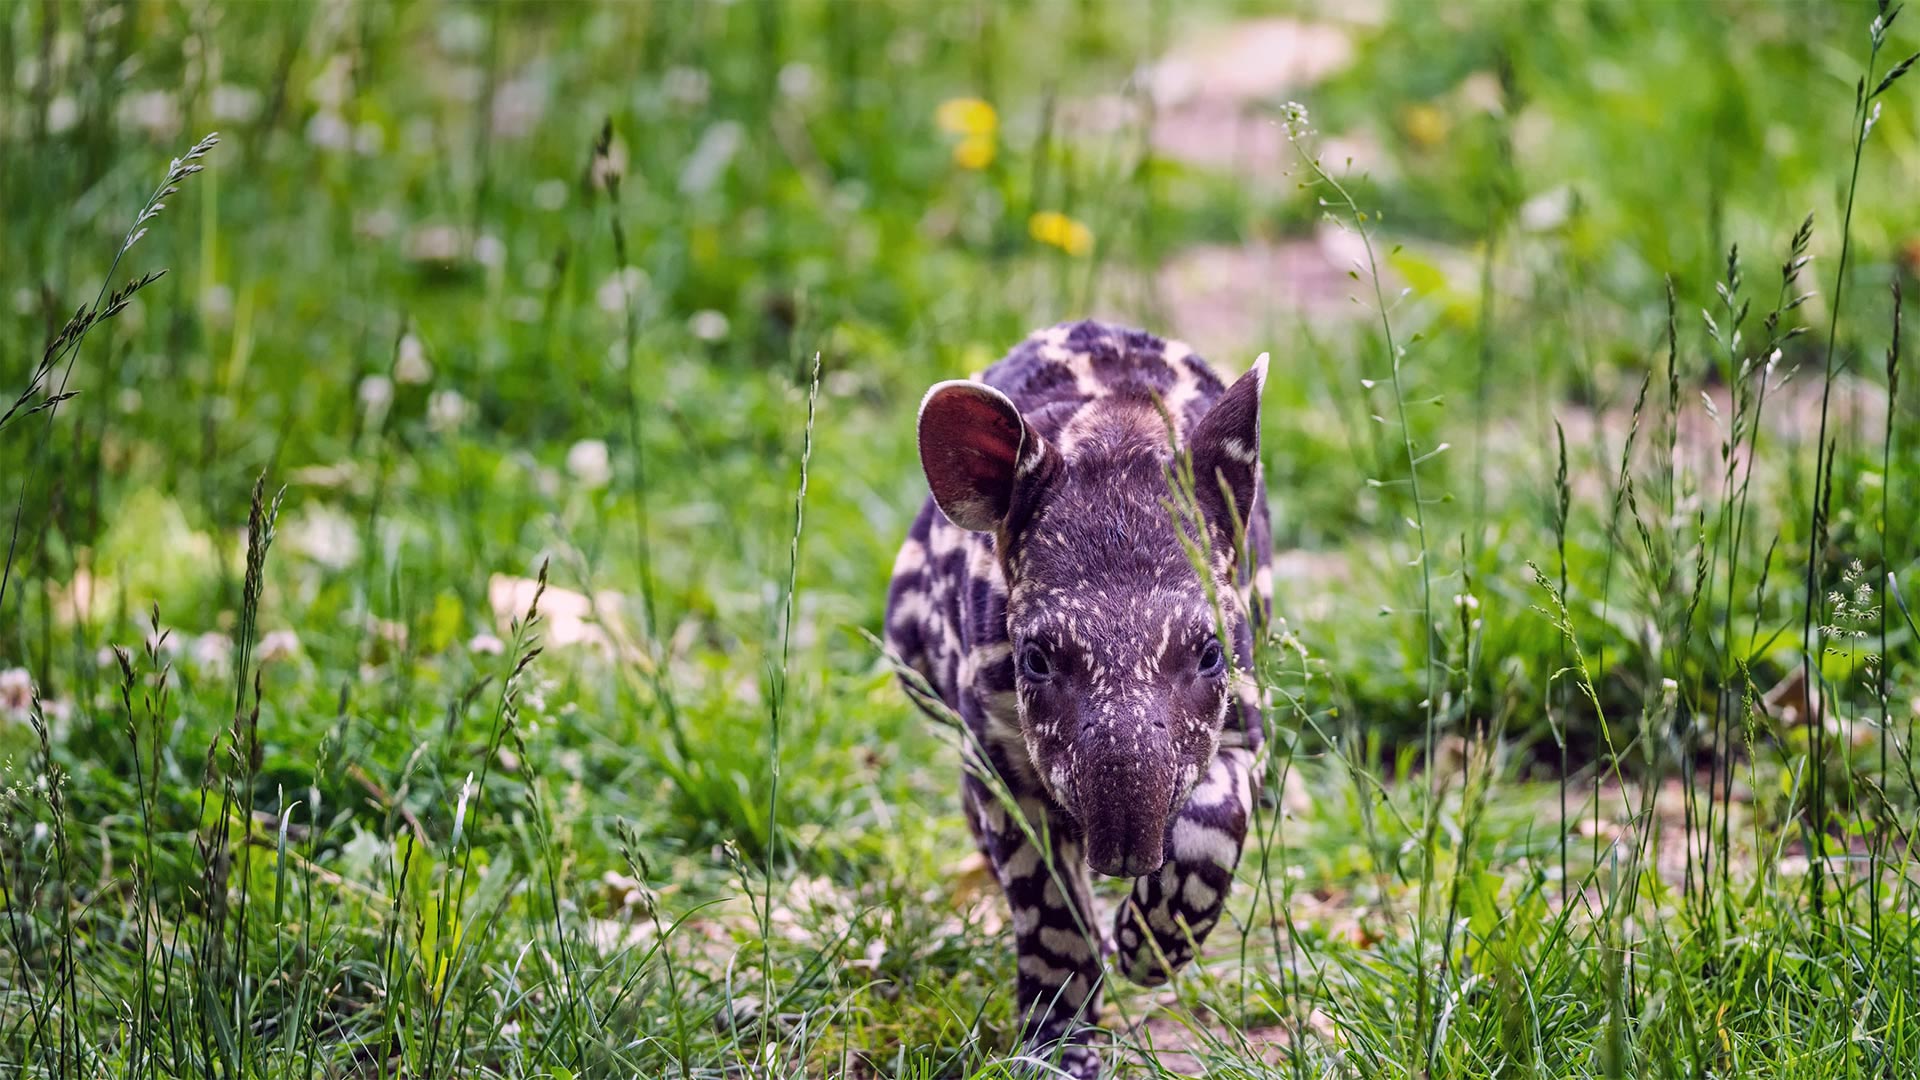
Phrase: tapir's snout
x=1123 y=807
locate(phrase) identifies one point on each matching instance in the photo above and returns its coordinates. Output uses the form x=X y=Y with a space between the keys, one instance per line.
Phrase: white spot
x=1022 y=865
x=1037 y=968
x=1067 y=943
x=1194 y=842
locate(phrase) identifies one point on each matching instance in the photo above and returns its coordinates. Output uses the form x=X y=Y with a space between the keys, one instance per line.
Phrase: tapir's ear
x=1226 y=451
x=975 y=448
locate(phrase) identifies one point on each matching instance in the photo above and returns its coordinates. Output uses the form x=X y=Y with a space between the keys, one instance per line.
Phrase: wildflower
x=154 y=112
x=436 y=244
x=966 y=116
x=1058 y=230
x=518 y=106
x=328 y=130
x=212 y=652
x=613 y=292
x=1426 y=125
x=375 y=224
x=16 y=693
x=590 y=463
x=685 y=86
x=376 y=393
x=796 y=81
x=411 y=365
x=974 y=152
x=489 y=251
x=446 y=410
x=1294 y=116
x=485 y=644
x=278 y=645
x=63 y=113
x=708 y=325
x=234 y=104
x=976 y=123
x=1547 y=210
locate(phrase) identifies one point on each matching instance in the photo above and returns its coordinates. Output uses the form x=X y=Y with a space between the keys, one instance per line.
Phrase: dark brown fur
x=1046 y=598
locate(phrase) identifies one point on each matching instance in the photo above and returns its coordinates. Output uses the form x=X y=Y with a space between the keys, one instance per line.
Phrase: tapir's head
x=1122 y=675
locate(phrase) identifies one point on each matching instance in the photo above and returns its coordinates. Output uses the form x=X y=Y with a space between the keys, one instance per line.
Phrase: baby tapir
x=1045 y=596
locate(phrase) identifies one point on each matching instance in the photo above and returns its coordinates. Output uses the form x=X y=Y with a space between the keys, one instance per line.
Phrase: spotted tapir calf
x=1045 y=596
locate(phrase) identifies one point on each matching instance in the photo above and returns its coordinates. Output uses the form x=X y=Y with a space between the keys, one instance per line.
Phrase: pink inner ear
x=969 y=444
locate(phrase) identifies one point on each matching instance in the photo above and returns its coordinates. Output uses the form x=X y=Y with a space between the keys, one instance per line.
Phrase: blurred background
x=487 y=286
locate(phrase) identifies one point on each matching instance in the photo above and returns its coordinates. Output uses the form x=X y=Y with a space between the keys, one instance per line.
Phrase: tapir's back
x=1055 y=371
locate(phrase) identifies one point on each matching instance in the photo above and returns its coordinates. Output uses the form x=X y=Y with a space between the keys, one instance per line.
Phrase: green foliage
x=549 y=738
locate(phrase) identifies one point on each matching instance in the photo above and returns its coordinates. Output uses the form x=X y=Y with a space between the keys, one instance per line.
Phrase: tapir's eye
x=1034 y=661
x=1213 y=660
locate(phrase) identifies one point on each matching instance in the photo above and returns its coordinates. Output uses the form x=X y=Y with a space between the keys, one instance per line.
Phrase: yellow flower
x=1425 y=125
x=967 y=116
x=974 y=152
x=1056 y=229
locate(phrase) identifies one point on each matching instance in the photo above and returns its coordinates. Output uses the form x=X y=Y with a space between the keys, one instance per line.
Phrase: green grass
x=626 y=308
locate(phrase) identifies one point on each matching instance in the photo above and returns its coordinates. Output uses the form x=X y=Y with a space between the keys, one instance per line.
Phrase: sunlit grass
x=547 y=738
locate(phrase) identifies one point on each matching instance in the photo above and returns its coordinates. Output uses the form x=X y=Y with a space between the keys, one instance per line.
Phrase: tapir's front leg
x=1169 y=912
x=1059 y=973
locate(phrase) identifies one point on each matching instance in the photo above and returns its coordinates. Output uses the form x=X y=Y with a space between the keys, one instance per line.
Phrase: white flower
x=326 y=535
x=376 y=393
x=153 y=112
x=484 y=644
x=796 y=81
x=436 y=244
x=16 y=694
x=518 y=105
x=589 y=463
x=708 y=325
x=1547 y=210
x=234 y=104
x=377 y=224
x=446 y=410
x=1294 y=116
x=369 y=138
x=613 y=293
x=488 y=251
x=328 y=130
x=411 y=366
x=278 y=645
x=685 y=86
x=63 y=113
x=212 y=652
